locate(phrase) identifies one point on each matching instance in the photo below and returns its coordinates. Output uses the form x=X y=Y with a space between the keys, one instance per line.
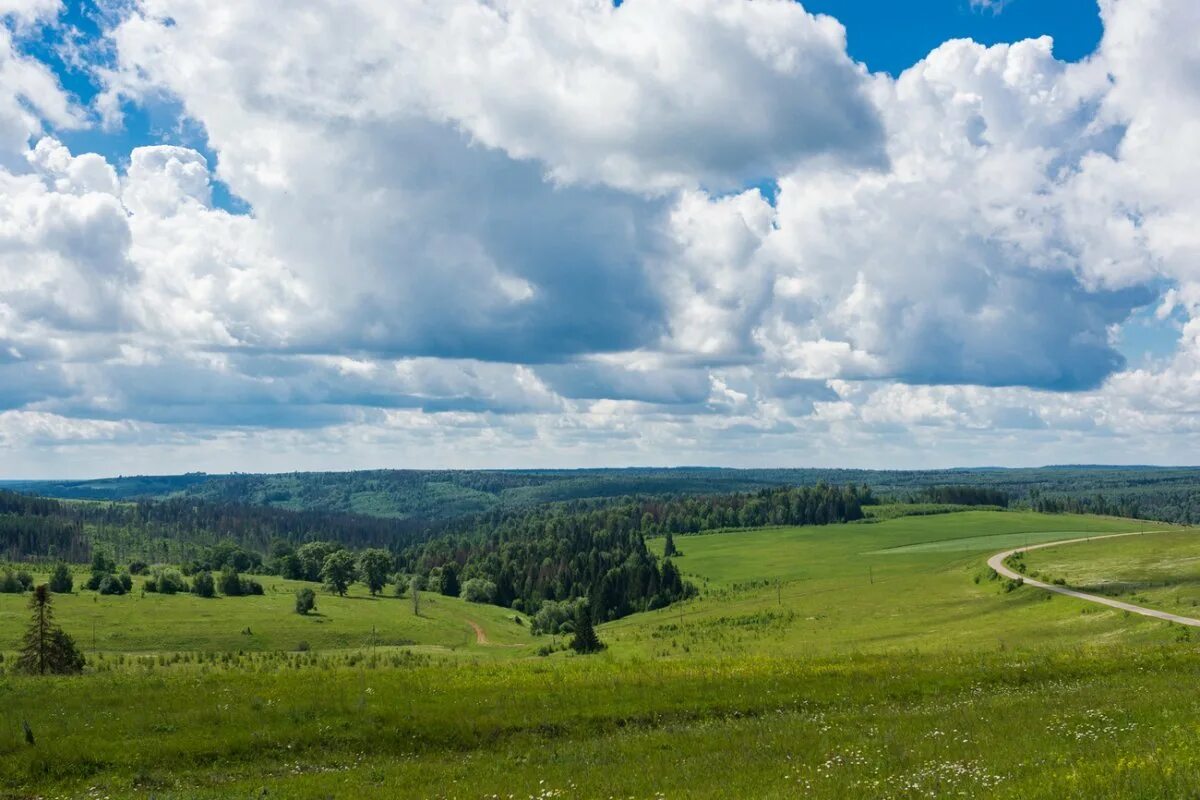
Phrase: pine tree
x=46 y=647
x=450 y=586
x=586 y=640
x=61 y=581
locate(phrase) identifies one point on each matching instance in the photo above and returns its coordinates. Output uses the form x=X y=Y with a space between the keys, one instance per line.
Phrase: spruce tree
x=46 y=648
x=61 y=581
x=450 y=586
x=586 y=640
x=669 y=548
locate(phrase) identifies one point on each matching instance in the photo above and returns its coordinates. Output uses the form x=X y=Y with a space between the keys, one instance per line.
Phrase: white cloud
x=522 y=230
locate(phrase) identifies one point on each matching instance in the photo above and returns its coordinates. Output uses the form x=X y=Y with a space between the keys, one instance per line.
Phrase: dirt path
x=481 y=637
x=996 y=562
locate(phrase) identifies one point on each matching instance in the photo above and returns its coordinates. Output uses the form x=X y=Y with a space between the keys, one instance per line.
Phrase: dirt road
x=996 y=562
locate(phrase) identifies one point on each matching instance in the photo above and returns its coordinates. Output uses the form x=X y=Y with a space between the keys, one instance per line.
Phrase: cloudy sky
x=335 y=234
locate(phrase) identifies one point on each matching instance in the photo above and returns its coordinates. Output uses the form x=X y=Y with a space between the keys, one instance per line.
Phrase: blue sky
x=893 y=36
x=551 y=233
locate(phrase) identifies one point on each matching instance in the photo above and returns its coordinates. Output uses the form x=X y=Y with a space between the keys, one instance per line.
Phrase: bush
x=138 y=567
x=479 y=590
x=167 y=581
x=203 y=584
x=303 y=647
x=251 y=586
x=555 y=617
x=126 y=581
x=230 y=582
x=110 y=584
x=150 y=585
x=306 y=600
x=401 y=585
x=15 y=582
x=61 y=581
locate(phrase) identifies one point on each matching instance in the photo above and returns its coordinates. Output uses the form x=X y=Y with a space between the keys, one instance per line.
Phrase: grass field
x=866 y=660
x=155 y=623
x=1160 y=571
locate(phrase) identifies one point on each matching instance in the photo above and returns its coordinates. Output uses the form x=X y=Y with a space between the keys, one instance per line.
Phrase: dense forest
x=1165 y=493
x=556 y=552
x=597 y=549
x=175 y=530
x=962 y=496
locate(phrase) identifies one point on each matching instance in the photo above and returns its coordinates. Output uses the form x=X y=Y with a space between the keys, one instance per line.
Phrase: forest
x=1170 y=494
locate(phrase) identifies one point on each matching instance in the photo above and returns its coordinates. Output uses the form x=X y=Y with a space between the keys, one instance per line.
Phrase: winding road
x=996 y=562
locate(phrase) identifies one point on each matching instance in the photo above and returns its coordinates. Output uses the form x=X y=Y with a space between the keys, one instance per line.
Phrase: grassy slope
x=1160 y=571
x=923 y=683
x=152 y=623
x=906 y=584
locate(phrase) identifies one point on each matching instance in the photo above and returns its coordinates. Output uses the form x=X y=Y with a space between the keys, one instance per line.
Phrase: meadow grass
x=915 y=583
x=149 y=623
x=1160 y=570
x=1112 y=723
x=872 y=660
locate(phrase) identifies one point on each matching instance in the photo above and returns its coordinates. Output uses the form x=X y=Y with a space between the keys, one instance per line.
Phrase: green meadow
x=876 y=659
x=1161 y=570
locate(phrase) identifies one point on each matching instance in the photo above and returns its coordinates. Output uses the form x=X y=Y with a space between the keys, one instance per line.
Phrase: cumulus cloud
x=665 y=227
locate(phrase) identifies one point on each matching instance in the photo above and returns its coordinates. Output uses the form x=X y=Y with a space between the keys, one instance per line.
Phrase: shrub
x=230 y=582
x=479 y=590
x=110 y=584
x=138 y=567
x=251 y=586
x=303 y=647
x=554 y=617
x=401 y=585
x=126 y=581
x=150 y=585
x=306 y=600
x=168 y=581
x=10 y=583
x=61 y=581
x=203 y=584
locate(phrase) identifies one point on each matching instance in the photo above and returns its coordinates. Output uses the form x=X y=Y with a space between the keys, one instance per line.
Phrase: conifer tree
x=450 y=586
x=61 y=581
x=669 y=548
x=46 y=648
x=586 y=640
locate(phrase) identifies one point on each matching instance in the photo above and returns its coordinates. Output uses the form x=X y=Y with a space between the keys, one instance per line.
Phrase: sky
x=273 y=236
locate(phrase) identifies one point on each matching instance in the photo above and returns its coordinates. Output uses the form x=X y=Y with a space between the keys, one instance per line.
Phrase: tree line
x=596 y=549
x=177 y=530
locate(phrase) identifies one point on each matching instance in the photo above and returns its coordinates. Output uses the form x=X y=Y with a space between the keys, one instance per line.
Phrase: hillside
x=1166 y=493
